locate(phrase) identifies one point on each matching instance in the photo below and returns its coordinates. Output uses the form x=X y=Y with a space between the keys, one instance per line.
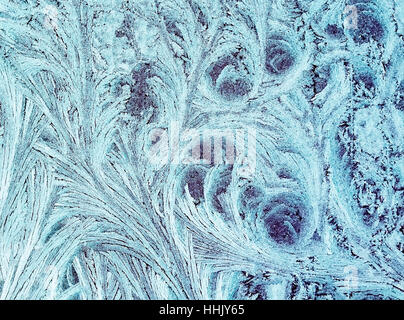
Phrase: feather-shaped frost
x=196 y=149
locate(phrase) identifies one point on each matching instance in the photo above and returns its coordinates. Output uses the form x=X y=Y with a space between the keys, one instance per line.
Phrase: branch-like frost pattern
x=201 y=149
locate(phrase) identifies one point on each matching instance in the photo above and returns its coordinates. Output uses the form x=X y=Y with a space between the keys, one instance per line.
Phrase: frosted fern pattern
x=102 y=109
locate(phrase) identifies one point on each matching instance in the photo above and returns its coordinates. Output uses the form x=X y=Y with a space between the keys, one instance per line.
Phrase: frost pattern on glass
x=201 y=149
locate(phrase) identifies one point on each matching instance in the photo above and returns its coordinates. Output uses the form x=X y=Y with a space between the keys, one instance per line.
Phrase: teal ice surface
x=101 y=103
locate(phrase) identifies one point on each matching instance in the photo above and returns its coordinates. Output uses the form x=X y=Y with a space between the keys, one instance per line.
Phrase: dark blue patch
x=283 y=218
x=232 y=89
x=368 y=28
x=141 y=95
x=126 y=29
x=278 y=60
x=218 y=67
x=194 y=178
x=334 y=31
x=400 y=99
x=249 y=199
x=366 y=79
x=280 y=229
x=321 y=77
